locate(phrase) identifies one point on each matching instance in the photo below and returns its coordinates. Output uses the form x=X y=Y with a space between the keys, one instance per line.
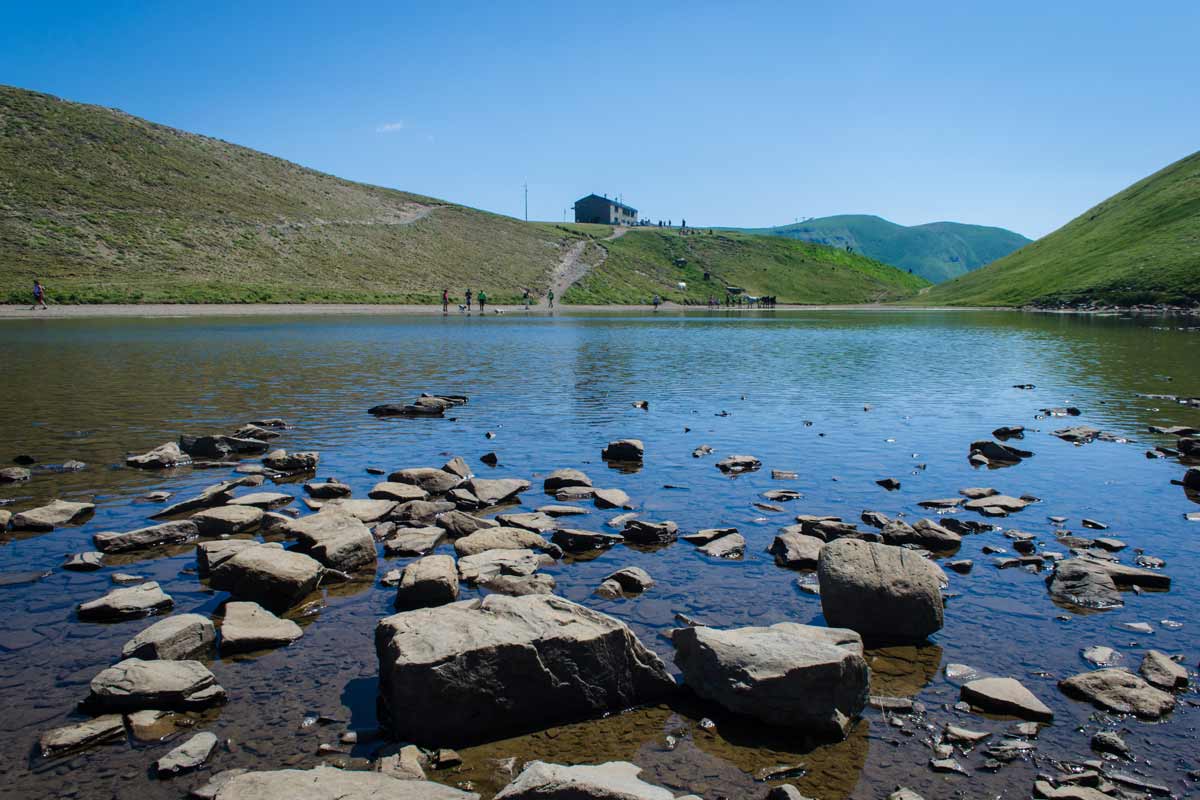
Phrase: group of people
x=479 y=299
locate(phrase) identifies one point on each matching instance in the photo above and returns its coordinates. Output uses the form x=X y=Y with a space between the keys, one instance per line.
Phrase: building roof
x=611 y=202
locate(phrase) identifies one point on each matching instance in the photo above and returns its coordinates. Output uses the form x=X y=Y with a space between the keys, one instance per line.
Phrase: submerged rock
x=128 y=603
x=189 y=756
x=1006 y=696
x=997 y=453
x=177 y=638
x=577 y=541
x=81 y=735
x=484 y=669
x=885 y=593
x=614 y=780
x=331 y=783
x=786 y=675
x=134 y=684
x=1119 y=691
x=248 y=626
x=733 y=465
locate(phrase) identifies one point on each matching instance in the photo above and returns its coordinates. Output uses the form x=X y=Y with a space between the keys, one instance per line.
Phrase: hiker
x=525 y=298
x=39 y=296
x=657 y=301
x=445 y=302
x=482 y=300
x=468 y=300
x=550 y=296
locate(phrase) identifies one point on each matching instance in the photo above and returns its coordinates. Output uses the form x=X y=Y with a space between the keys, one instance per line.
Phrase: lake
x=841 y=398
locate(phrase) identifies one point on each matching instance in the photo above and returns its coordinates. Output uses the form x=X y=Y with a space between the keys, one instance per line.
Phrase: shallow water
x=554 y=391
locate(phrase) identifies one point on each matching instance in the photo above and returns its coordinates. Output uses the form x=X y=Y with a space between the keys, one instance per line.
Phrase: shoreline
x=190 y=310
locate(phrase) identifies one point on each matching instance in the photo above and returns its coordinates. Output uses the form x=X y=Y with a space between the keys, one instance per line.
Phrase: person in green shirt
x=482 y=300
x=550 y=296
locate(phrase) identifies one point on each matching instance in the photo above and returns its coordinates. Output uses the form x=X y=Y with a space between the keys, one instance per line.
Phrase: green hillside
x=1141 y=245
x=937 y=251
x=645 y=262
x=105 y=207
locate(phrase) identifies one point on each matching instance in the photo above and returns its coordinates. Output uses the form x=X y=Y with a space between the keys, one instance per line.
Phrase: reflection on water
x=554 y=391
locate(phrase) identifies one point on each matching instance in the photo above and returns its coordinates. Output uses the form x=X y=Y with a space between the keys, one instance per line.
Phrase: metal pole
x=527 y=202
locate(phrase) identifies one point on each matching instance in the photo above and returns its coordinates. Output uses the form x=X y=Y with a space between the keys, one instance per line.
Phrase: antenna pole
x=527 y=202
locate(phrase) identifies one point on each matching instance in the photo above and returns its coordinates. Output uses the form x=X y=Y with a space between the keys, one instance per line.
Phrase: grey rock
x=611 y=498
x=423 y=512
x=457 y=466
x=209 y=555
x=507 y=664
x=336 y=539
x=575 y=493
x=397 y=491
x=328 y=489
x=84 y=562
x=885 y=593
x=429 y=581
x=362 y=510
x=413 y=541
x=614 y=780
x=330 y=783
x=128 y=603
x=624 y=450
x=1084 y=584
x=530 y=521
x=248 y=627
x=519 y=585
x=81 y=735
x=730 y=546
x=501 y=538
x=493 y=491
x=562 y=478
x=577 y=541
x=274 y=578
x=153 y=536
x=134 y=684
x=165 y=456
x=50 y=516
x=216 y=495
x=738 y=463
x=180 y=637
x=786 y=675
x=189 y=756
x=1160 y=670
x=1000 y=501
x=1109 y=742
x=14 y=474
x=227 y=520
x=554 y=510
x=289 y=463
x=433 y=481
x=1006 y=696
x=633 y=580
x=1118 y=691
x=458 y=523
x=1101 y=656
x=642 y=532
x=264 y=501
x=403 y=763
x=491 y=564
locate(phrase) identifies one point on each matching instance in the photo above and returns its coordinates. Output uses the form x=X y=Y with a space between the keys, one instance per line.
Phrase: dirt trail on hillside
x=571 y=268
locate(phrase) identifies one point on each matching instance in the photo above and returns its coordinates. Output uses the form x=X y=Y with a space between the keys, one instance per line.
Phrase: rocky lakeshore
x=440 y=606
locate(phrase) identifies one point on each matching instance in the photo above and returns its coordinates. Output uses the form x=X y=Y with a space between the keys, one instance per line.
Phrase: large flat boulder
x=413 y=541
x=81 y=735
x=494 y=491
x=134 y=684
x=218 y=494
x=885 y=593
x=501 y=538
x=485 y=567
x=787 y=675
x=126 y=603
x=482 y=669
x=397 y=492
x=272 y=577
x=428 y=581
x=177 y=532
x=263 y=501
x=1005 y=696
x=179 y=637
x=337 y=539
x=429 y=479
x=614 y=780
x=210 y=555
x=227 y=520
x=51 y=515
x=248 y=627
x=331 y=783
x=796 y=550
x=1119 y=691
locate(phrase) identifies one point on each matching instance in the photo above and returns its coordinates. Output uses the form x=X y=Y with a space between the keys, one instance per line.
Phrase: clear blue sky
x=1021 y=115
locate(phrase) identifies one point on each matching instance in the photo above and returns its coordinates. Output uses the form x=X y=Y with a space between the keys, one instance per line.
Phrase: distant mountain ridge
x=936 y=251
x=1142 y=245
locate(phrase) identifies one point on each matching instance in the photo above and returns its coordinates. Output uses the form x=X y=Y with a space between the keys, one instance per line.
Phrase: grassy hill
x=643 y=263
x=936 y=252
x=106 y=207
x=1141 y=245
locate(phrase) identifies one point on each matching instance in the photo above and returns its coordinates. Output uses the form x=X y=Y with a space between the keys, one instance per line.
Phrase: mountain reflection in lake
x=554 y=391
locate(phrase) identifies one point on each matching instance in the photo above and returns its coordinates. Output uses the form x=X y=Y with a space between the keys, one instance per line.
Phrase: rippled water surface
x=793 y=389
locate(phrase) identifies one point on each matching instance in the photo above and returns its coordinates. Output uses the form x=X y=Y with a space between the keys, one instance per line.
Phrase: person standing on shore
x=657 y=301
x=525 y=297
x=482 y=300
x=468 y=294
x=39 y=296
x=445 y=302
x=550 y=296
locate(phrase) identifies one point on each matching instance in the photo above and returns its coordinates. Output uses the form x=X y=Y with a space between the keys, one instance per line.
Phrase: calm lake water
x=554 y=391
